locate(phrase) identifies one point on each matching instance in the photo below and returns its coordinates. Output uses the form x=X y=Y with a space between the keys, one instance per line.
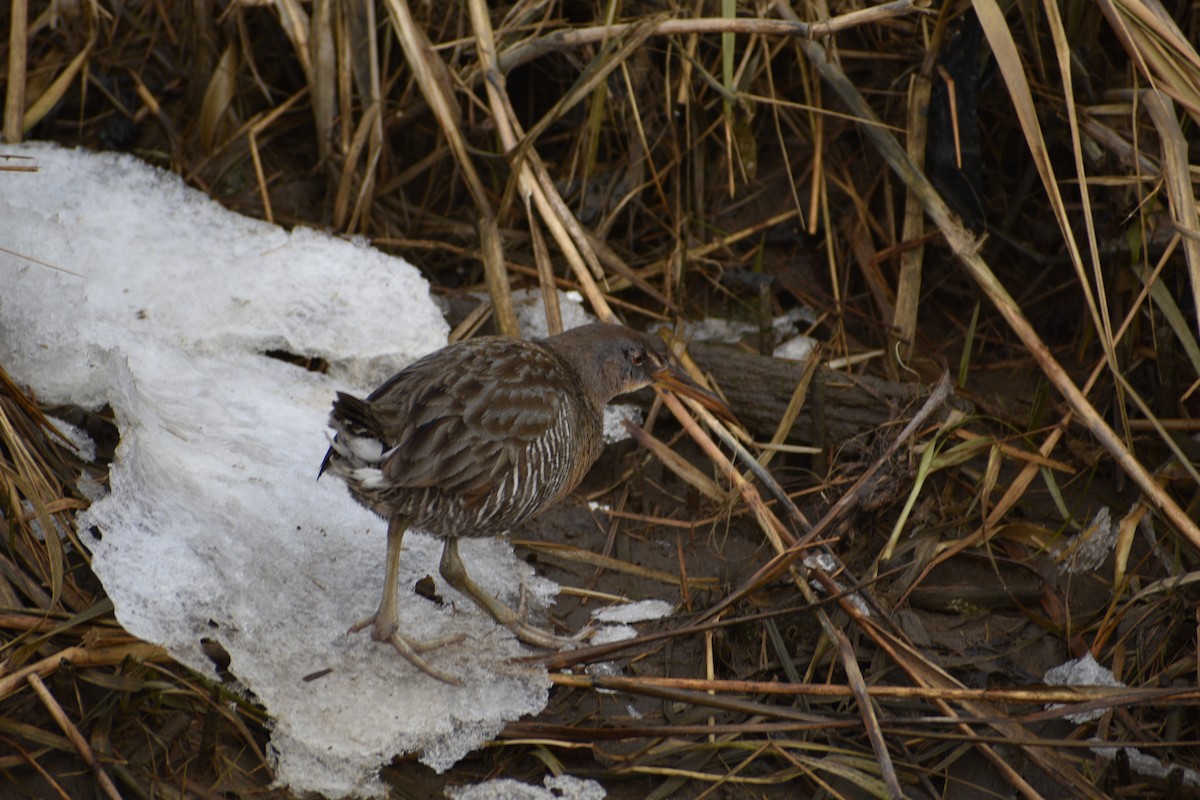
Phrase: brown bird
x=480 y=436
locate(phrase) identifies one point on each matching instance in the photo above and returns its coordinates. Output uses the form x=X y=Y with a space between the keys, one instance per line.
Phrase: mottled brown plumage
x=480 y=436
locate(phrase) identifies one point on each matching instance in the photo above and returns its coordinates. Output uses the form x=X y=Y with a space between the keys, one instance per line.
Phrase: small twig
x=867 y=710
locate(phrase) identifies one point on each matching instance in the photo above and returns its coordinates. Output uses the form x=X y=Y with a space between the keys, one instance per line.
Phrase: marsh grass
x=1007 y=192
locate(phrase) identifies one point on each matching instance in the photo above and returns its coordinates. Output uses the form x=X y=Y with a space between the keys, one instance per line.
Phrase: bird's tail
x=353 y=417
x=359 y=439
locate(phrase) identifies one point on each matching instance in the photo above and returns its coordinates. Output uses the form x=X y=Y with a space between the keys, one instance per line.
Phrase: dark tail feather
x=353 y=416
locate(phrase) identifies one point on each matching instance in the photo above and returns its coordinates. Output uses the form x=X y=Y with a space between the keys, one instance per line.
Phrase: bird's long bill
x=678 y=382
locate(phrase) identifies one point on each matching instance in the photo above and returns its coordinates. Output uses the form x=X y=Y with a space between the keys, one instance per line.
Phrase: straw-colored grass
x=674 y=161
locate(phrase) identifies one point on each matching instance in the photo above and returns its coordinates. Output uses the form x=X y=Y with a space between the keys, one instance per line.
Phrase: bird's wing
x=465 y=421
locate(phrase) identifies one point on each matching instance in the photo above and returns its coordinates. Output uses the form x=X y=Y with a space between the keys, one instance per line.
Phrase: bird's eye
x=637 y=357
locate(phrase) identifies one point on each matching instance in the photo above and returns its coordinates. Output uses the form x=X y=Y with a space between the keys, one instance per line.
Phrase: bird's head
x=614 y=360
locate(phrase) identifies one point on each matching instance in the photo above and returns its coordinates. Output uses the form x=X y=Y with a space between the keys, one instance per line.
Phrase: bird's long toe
x=540 y=637
x=384 y=630
x=411 y=651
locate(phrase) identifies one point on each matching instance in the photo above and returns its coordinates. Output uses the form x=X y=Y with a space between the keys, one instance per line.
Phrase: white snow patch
x=730 y=331
x=216 y=526
x=641 y=611
x=1146 y=764
x=531 y=312
x=561 y=787
x=798 y=348
x=1084 y=671
x=615 y=417
x=607 y=634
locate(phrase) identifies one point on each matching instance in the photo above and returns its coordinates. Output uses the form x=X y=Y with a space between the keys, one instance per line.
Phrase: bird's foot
x=518 y=622
x=386 y=631
x=455 y=573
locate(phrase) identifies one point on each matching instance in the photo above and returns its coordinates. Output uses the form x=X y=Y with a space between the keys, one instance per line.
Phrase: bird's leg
x=385 y=623
x=456 y=575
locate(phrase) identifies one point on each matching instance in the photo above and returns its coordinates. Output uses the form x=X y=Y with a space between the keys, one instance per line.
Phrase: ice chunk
x=168 y=306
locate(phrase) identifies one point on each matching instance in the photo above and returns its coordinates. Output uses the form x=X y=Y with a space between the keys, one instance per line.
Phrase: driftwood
x=839 y=407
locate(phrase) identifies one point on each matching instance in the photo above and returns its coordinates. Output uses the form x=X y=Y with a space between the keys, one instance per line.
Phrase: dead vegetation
x=1001 y=194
